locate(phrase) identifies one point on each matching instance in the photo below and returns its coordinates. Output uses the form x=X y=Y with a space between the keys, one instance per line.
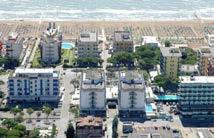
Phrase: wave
x=107 y=14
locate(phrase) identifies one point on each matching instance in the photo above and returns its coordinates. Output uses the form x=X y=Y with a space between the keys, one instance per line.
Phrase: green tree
x=34 y=133
x=9 y=123
x=47 y=110
x=21 y=129
x=53 y=132
x=122 y=59
x=15 y=111
x=114 y=127
x=14 y=134
x=3 y=132
x=167 y=43
x=70 y=131
x=189 y=57
x=30 y=112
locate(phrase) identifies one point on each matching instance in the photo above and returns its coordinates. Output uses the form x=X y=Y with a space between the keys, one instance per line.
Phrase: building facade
x=34 y=85
x=196 y=96
x=131 y=94
x=14 y=46
x=93 y=94
x=87 y=45
x=169 y=61
x=210 y=39
x=50 y=45
x=204 y=55
x=123 y=42
x=89 y=127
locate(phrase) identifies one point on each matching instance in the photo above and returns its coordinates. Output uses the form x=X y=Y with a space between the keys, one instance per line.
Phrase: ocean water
x=106 y=9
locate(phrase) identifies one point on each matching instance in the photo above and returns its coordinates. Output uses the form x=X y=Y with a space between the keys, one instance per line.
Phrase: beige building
x=51 y=42
x=89 y=127
x=87 y=45
x=123 y=41
x=14 y=46
x=204 y=55
x=169 y=61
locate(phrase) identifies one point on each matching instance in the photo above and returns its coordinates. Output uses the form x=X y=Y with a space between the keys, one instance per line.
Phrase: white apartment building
x=14 y=46
x=34 y=85
x=196 y=96
x=51 y=42
x=93 y=94
x=87 y=45
x=150 y=41
x=132 y=91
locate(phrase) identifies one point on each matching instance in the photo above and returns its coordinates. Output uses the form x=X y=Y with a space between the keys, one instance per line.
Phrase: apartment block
x=34 y=85
x=169 y=61
x=14 y=46
x=131 y=97
x=87 y=45
x=196 y=96
x=204 y=55
x=123 y=42
x=50 y=44
x=89 y=127
x=93 y=93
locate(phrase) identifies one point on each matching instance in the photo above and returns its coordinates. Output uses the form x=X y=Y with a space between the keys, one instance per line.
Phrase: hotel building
x=204 y=55
x=123 y=41
x=93 y=94
x=33 y=85
x=169 y=61
x=87 y=45
x=14 y=46
x=51 y=42
x=131 y=97
x=89 y=127
x=196 y=96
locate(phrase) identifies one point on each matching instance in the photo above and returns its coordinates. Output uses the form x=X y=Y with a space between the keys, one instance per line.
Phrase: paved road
x=104 y=54
x=65 y=115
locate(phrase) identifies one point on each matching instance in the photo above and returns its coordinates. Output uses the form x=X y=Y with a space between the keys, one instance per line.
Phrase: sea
x=106 y=9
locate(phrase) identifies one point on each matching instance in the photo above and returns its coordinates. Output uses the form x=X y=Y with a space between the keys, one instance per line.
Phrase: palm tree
x=15 y=111
x=47 y=110
x=30 y=112
x=38 y=114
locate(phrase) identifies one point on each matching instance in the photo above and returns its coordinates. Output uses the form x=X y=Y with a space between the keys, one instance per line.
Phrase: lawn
x=66 y=54
x=36 y=60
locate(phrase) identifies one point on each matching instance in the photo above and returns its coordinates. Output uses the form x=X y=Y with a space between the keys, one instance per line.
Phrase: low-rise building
x=87 y=45
x=196 y=96
x=204 y=54
x=132 y=95
x=150 y=41
x=33 y=85
x=14 y=46
x=123 y=42
x=93 y=93
x=89 y=127
x=51 y=43
x=169 y=61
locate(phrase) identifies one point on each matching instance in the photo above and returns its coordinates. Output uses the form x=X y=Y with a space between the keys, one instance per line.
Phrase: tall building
x=211 y=67
x=131 y=97
x=14 y=46
x=34 y=85
x=204 y=54
x=93 y=94
x=51 y=42
x=169 y=61
x=123 y=41
x=89 y=127
x=87 y=45
x=196 y=96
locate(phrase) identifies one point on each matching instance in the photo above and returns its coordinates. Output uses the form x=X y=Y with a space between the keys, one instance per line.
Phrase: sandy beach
x=193 y=30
